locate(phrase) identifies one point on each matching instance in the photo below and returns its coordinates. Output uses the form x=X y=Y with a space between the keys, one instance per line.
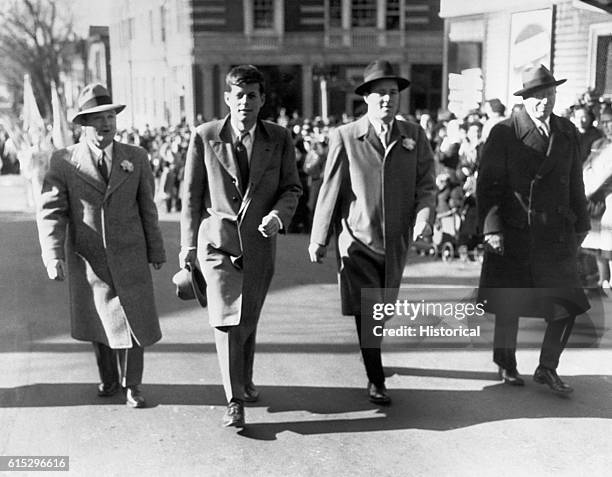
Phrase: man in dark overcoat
x=533 y=214
x=378 y=192
x=241 y=189
x=98 y=227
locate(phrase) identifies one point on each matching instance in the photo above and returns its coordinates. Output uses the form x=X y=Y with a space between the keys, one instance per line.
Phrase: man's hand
x=317 y=252
x=157 y=265
x=187 y=257
x=270 y=226
x=494 y=243
x=56 y=269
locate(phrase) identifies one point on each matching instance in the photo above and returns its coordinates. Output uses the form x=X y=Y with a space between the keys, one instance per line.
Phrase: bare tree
x=36 y=37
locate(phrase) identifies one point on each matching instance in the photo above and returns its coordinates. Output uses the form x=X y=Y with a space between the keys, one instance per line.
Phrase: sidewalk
x=14 y=194
x=450 y=415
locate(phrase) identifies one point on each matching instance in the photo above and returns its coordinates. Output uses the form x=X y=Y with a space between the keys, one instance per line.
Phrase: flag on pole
x=33 y=124
x=61 y=135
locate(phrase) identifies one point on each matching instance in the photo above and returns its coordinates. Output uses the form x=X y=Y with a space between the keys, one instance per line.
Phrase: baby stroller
x=456 y=232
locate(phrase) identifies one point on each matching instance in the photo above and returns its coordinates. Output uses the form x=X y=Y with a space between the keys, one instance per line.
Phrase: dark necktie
x=102 y=167
x=544 y=131
x=242 y=157
x=384 y=135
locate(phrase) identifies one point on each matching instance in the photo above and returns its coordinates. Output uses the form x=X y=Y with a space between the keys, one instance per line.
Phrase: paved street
x=450 y=416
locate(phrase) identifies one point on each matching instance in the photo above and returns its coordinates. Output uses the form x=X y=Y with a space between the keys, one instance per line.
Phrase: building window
x=335 y=13
x=363 y=13
x=392 y=16
x=162 y=20
x=151 y=26
x=263 y=14
x=603 y=72
x=97 y=66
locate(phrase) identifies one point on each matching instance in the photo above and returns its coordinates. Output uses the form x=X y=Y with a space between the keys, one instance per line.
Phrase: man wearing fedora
x=378 y=193
x=98 y=228
x=533 y=216
x=241 y=189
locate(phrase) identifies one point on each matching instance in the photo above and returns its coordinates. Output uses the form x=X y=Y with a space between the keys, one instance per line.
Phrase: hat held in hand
x=190 y=284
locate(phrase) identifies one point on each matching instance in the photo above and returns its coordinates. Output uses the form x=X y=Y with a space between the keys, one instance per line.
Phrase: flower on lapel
x=127 y=166
x=408 y=143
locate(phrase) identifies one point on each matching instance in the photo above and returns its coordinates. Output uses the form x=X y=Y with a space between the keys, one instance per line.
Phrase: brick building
x=170 y=57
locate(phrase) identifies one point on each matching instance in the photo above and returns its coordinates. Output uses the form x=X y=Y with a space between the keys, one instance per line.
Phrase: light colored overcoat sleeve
x=53 y=213
x=326 y=210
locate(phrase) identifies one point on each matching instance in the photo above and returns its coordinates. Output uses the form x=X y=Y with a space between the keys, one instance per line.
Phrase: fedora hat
x=190 y=284
x=94 y=98
x=536 y=78
x=377 y=70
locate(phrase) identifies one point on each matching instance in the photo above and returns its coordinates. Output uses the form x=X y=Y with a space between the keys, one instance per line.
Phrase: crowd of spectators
x=456 y=143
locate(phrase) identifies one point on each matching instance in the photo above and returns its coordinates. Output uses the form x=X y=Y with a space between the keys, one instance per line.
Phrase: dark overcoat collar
x=558 y=145
x=223 y=147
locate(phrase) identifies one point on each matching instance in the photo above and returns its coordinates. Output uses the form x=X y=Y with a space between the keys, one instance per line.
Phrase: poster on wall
x=530 y=45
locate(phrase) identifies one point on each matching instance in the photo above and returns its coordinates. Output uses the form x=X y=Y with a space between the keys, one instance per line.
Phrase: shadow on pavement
x=439 y=410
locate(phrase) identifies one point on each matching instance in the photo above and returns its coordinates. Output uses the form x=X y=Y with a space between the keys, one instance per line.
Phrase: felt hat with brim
x=190 y=284
x=378 y=70
x=94 y=98
x=535 y=79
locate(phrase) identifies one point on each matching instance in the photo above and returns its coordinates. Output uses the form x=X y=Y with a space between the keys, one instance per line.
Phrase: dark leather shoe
x=234 y=415
x=108 y=389
x=378 y=394
x=551 y=378
x=511 y=377
x=251 y=394
x=134 y=398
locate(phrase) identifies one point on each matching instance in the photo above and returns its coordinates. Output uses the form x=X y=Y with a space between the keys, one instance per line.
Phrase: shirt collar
x=378 y=125
x=537 y=122
x=97 y=153
x=237 y=134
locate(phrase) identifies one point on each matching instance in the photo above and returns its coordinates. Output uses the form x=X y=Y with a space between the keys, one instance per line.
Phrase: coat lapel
x=118 y=173
x=365 y=132
x=222 y=146
x=558 y=147
x=528 y=133
x=260 y=156
x=86 y=169
x=553 y=150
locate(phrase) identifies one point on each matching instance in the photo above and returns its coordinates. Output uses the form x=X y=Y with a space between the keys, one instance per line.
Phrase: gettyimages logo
x=433 y=318
x=424 y=318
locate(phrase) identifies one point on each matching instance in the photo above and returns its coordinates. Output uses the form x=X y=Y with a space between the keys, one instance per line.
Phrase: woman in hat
x=598 y=189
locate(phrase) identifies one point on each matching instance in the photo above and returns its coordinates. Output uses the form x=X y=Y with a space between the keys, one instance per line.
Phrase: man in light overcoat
x=532 y=209
x=98 y=227
x=378 y=193
x=241 y=189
